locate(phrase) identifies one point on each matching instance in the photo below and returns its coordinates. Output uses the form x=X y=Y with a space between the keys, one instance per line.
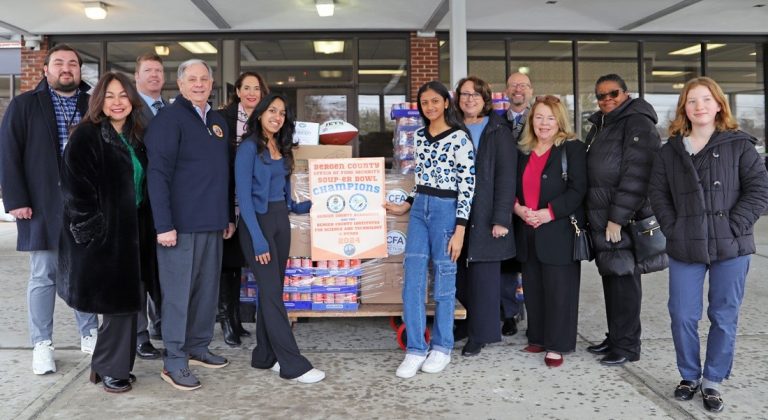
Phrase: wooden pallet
x=371 y=310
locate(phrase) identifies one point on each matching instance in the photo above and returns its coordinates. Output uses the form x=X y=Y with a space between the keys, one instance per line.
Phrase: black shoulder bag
x=582 y=242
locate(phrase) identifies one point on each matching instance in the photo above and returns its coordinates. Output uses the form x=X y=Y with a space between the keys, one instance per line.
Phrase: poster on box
x=347 y=219
x=307 y=133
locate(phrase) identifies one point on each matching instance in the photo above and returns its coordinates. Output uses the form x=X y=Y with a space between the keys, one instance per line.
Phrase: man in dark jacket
x=32 y=139
x=188 y=182
x=150 y=77
x=620 y=148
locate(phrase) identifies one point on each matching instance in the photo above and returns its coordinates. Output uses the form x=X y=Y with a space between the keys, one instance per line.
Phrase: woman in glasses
x=620 y=149
x=489 y=239
x=708 y=187
x=249 y=89
x=546 y=198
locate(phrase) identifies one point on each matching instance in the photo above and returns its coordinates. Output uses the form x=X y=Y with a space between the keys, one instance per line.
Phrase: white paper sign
x=307 y=133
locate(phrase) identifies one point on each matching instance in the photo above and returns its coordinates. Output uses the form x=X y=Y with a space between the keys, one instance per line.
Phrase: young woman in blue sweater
x=263 y=167
x=439 y=206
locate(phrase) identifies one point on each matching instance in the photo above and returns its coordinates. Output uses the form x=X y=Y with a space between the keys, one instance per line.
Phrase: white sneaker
x=411 y=364
x=275 y=367
x=314 y=375
x=42 y=358
x=436 y=362
x=88 y=342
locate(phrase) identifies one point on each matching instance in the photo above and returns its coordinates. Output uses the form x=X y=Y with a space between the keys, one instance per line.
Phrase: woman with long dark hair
x=708 y=188
x=439 y=206
x=249 y=89
x=262 y=177
x=108 y=242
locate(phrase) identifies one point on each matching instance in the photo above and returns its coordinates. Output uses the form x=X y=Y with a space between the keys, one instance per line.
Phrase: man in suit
x=33 y=135
x=188 y=183
x=150 y=78
x=519 y=91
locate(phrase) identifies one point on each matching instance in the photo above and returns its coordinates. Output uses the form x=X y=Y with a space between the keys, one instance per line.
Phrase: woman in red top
x=545 y=200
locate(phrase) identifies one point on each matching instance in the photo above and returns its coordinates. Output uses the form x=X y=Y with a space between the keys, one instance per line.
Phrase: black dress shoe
x=131 y=378
x=614 y=359
x=712 y=400
x=471 y=348
x=602 y=348
x=509 y=328
x=111 y=384
x=686 y=390
x=147 y=351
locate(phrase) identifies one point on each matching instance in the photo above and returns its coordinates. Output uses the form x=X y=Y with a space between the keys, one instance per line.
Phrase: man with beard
x=150 y=78
x=32 y=139
x=519 y=91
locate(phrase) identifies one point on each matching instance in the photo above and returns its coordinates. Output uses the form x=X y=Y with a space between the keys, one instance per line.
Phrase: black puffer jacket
x=621 y=147
x=708 y=204
x=495 y=165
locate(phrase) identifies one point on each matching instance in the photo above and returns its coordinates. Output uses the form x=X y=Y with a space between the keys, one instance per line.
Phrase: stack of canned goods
x=322 y=283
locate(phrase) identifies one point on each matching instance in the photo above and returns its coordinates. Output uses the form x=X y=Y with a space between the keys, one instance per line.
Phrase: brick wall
x=424 y=62
x=32 y=65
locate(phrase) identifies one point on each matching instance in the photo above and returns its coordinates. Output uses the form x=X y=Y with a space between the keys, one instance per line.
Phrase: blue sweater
x=188 y=171
x=252 y=179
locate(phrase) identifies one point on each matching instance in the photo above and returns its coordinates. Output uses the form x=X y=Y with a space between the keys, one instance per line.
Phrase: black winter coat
x=554 y=240
x=107 y=244
x=707 y=204
x=494 y=194
x=232 y=256
x=29 y=165
x=621 y=146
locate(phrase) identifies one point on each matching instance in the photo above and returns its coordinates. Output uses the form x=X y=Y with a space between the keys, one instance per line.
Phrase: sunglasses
x=613 y=94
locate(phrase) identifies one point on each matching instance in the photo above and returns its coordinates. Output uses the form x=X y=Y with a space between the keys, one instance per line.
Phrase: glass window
x=598 y=58
x=297 y=62
x=91 y=54
x=5 y=93
x=667 y=66
x=549 y=64
x=738 y=70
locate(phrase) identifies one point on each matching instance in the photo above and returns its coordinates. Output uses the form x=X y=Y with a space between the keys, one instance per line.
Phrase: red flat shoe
x=533 y=348
x=553 y=363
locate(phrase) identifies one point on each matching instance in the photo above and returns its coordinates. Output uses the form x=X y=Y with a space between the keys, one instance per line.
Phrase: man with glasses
x=33 y=135
x=519 y=91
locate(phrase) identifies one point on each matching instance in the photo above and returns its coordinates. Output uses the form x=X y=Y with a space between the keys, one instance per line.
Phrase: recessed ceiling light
x=695 y=49
x=667 y=73
x=678 y=86
x=379 y=72
x=95 y=10
x=523 y=70
x=279 y=83
x=753 y=53
x=324 y=7
x=162 y=50
x=202 y=47
x=328 y=47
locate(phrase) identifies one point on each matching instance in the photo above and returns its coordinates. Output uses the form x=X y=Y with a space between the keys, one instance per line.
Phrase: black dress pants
x=623 y=297
x=478 y=289
x=551 y=301
x=115 y=349
x=274 y=338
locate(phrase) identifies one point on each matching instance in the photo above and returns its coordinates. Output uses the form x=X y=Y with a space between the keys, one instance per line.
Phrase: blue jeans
x=726 y=292
x=430 y=227
x=41 y=298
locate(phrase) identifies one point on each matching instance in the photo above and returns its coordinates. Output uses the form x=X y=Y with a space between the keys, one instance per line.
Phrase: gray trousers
x=189 y=282
x=149 y=310
x=41 y=298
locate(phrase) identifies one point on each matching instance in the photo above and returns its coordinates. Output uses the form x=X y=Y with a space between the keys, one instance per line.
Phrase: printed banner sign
x=348 y=219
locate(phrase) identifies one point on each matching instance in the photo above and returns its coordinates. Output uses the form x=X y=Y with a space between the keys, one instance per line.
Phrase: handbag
x=582 y=242
x=647 y=238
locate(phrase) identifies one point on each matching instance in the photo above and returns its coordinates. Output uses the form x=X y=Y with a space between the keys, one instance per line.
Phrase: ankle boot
x=225 y=310
x=237 y=324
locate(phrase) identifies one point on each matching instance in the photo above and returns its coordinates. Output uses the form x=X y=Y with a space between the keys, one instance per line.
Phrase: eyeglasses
x=523 y=86
x=552 y=99
x=613 y=94
x=470 y=95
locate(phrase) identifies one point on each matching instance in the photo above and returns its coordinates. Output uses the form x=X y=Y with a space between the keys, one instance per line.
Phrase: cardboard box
x=382 y=283
x=301 y=245
x=303 y=153
x=397 y=237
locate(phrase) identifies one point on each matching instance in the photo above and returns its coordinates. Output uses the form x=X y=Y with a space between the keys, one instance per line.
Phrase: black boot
x=225 y=310
x=237 y=324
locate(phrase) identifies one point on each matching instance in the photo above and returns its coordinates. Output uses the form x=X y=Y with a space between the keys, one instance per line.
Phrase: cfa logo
x=395 y=242
x=397 y=196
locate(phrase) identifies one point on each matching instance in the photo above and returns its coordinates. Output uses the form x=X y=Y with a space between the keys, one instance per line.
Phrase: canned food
x=306 y=262
x=333 y=264
x=306 y=296
x=343 y=263
x=286 y=297
x=295 y=296
x=321 y=264
x=286 y=281
x=317 y=298
x=351 y=281
x=355 y=262
x=340 y=281
x=294 y=262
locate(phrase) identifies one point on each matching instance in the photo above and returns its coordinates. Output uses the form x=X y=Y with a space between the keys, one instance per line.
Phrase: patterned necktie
x=518 y=119
x=157 y=105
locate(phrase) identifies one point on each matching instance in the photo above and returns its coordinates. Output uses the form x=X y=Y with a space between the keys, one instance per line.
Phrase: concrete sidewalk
x=360 y=357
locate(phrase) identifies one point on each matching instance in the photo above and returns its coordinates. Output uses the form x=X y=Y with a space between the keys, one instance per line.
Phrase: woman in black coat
x=489 y=239
x=249 y=89
x=107 y=240
x=708 y=188
x=621 y=146
x=547 y=195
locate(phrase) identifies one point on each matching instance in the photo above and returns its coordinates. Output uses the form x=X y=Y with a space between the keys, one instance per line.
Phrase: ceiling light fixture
x=199 y=47
x=379 y=72
x=753 y=53
x=523 y=69
x=695 y=49
x=162 y=50
x=678 y=86
x=95 y=10
x=324 y=7
x=328 y=47
x=667 y=73
x=564 y=41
